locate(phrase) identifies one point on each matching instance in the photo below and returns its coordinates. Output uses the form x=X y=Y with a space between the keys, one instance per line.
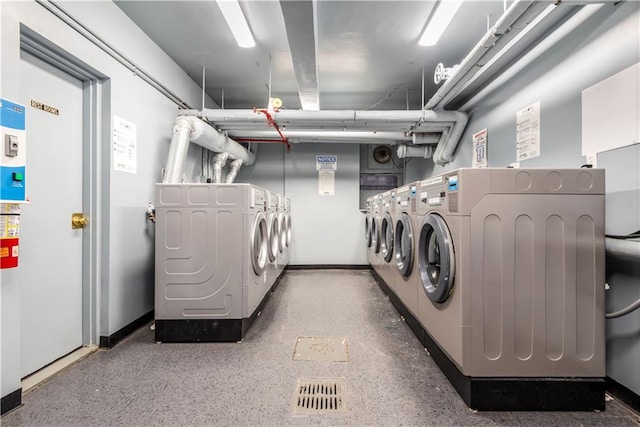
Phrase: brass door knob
x=78 y=220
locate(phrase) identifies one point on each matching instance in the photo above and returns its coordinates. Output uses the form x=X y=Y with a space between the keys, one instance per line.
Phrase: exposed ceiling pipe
x=446 y=149
x=426 y=138
x=507 y=27
x=187 y=128
x=326 y=116
x=218 y=164
x=330 y=135
x=424 y=151
x=234 y=167
x=580 y=18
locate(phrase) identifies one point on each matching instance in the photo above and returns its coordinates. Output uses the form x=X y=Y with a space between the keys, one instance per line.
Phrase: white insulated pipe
x=234 y=167
x=502 y=31
x=325 y=116
x=445 y=151
x=178 y=150
x=188 y=128
x=532 y=55
x=218 y=164
x=326 y=135
x=424 y=151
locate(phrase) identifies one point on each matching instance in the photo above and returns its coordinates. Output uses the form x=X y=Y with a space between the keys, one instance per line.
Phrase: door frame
x=96 y=174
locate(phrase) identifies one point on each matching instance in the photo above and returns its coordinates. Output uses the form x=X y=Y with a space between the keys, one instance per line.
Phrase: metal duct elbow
x=234 y=167
x=208 y=137
x=218 y=164
x=189 y=128
x=425 y=151
x=445 y=151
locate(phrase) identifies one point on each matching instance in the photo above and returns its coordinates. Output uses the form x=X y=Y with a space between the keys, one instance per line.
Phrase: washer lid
x=258 y=245
x=436 y=258
x=404 y=244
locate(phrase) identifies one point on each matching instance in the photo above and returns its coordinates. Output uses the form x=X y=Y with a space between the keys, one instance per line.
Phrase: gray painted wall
x=623 y=275
x=598 y=49
x=126 y=288
x=325 y=229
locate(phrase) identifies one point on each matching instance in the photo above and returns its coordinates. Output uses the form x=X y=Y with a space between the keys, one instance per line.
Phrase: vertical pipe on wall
x=177 y=153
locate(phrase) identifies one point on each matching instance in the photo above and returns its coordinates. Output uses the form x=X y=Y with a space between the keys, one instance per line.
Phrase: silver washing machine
x=407 y=278
x=211 y=261
x=511 y=265
x=288 y=230
x=369 y=226
x=387 y=270
x=376 y=220
x=282 y=235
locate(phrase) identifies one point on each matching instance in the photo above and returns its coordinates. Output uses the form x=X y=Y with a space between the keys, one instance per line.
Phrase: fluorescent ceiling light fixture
x=439 y=21
x=237 y=22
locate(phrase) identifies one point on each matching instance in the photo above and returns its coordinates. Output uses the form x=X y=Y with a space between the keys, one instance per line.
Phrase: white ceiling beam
x=299 y=18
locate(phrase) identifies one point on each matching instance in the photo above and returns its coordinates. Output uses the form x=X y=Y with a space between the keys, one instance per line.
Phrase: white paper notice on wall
x=480 y=149
x=610 y=111
x=528 y=132
x=326 y=183
x=125 y=151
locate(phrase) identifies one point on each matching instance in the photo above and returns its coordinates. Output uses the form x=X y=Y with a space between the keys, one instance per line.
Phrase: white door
x=50 y=258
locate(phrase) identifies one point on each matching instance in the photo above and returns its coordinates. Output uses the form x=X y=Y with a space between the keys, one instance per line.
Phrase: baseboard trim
x=506 y=393
x=122 y=333
x=328 y=267
x=209 y=330
x=624 y=394
x=11 y=401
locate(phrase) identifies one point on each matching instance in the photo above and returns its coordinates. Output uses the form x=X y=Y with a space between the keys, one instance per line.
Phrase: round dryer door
x=404 y=245
x=436 y=258
x=259 y=239
x=367 y=230
x=386 y=237
x=288 y=225
x=375 y=236
x=274 y=237
x=282 y=233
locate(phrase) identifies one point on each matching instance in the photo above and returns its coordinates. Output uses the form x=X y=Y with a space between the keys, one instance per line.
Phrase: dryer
x=387 y=269
x=288 y=230
x=211 y=261
x=406 y=283
x=282 y=234
x=273 y=228
x=369 y=226
x=511 y=266
x=374 y=249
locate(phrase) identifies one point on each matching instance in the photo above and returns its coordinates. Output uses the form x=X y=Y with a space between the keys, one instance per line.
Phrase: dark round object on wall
x=382 y=154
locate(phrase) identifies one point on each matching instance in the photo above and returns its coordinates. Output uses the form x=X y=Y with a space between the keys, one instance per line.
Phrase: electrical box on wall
x=13 y=162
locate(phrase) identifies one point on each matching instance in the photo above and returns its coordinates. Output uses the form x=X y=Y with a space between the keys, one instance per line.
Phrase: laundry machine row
x=504 y=283
x=218 y=257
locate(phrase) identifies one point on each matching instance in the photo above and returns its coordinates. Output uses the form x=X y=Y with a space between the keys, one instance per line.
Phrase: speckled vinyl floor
x=390 y=379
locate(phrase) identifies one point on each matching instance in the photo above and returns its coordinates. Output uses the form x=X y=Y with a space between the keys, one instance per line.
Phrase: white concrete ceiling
x=367 y=54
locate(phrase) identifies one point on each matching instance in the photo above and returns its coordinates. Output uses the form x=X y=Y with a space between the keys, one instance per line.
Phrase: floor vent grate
x=320 y=396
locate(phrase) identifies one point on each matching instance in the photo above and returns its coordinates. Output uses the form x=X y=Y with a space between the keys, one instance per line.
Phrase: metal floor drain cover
x=320 y=396
x=328 y=349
